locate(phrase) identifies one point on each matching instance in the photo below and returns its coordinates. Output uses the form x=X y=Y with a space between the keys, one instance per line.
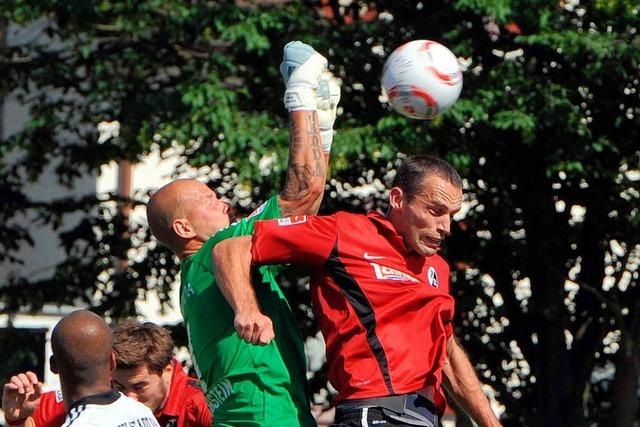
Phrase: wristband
x=327 y=139
x=300 y=98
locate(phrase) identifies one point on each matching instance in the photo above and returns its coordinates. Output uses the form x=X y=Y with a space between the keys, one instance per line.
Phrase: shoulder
x=245 y=226
x=197 y=409
x=344 y=219
x=50 y=411
x=193 y=394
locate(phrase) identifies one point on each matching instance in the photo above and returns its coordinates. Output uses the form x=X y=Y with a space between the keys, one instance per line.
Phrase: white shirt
x=109 y=409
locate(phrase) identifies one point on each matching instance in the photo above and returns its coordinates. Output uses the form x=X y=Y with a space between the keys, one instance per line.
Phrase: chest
x=384 y=269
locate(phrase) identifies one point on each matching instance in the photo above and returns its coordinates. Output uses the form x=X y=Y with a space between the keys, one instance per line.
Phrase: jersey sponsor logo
x=368 y=256
x=432 y=277
x=387 y=273
x=219 y=393
x=292 y=220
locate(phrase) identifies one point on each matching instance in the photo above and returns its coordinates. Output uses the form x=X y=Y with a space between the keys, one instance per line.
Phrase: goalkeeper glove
x=301 y=69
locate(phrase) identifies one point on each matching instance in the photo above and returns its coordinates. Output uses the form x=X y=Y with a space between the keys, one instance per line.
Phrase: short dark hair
x=415 y=169
x=137 y=344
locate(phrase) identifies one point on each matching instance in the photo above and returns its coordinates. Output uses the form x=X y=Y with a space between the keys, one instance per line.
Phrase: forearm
x=232 y=264
x=307 y=168
x=463 y=385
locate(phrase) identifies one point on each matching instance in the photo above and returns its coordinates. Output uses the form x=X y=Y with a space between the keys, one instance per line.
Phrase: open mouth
x=231 y=213
x=432 y=242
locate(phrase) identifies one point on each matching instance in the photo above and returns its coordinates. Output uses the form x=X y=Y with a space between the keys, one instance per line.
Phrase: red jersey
x=385 y=312
x=185 y=407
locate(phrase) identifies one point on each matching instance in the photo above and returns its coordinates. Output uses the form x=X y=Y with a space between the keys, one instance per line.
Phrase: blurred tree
x=545 y=258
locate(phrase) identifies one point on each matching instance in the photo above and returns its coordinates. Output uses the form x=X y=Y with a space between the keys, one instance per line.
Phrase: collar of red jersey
x=387 y=227
x=174 y=403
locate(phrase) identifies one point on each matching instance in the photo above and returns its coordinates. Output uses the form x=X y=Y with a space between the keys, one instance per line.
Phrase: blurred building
x=33 y=331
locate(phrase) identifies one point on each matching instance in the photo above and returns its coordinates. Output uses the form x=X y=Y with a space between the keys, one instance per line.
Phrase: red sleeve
x=50 y=410
x=302 y=239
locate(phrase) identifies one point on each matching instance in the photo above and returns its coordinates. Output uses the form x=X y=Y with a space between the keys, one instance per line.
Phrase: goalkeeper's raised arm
x=311 y=97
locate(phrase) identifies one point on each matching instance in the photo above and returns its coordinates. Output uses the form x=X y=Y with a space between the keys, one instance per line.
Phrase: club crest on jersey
x=432 y=277
x=292 y=220
x=387 y=273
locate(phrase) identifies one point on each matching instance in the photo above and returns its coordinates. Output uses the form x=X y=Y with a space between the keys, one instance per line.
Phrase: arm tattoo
x=303 y=166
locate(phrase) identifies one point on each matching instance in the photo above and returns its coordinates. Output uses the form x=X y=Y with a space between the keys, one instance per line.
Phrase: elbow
x=316 y=192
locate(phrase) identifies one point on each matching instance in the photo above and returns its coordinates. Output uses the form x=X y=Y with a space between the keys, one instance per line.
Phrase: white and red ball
x=422 y=79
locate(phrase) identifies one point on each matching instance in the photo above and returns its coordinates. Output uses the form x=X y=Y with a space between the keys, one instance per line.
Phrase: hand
x=254 y=327
x=328 y=97
x=301 y=69
x=21 y=396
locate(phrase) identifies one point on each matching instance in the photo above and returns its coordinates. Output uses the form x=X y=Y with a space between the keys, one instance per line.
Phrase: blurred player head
x=425 y=194
x=184 y=214
x=144 y=352
x=82 y=345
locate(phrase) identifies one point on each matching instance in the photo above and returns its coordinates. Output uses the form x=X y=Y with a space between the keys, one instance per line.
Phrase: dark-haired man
x=381 y=297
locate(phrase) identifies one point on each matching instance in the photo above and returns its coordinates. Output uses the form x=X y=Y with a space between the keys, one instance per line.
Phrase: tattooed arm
x=307 y=168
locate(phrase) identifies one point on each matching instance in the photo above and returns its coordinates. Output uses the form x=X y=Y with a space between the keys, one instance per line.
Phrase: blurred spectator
x=83 y=356
x=145 y=371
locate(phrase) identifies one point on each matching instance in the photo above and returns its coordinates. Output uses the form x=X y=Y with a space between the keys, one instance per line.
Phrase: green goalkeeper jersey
x=245 y=384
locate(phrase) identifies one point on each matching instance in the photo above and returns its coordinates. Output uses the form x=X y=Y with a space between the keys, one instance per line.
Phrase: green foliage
x=548 y=121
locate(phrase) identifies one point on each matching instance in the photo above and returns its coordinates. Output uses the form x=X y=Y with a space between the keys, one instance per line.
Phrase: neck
x=73 y=393
x=190 y=248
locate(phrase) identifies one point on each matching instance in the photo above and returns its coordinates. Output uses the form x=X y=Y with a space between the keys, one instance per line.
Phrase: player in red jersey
x=145 y=370
x=381 y=297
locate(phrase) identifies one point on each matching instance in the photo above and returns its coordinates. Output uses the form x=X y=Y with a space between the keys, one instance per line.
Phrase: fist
x=21 y=396
x=301 y=65
x=254 y=327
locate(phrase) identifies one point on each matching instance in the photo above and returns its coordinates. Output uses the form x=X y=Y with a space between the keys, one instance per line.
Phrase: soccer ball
x=422 y=79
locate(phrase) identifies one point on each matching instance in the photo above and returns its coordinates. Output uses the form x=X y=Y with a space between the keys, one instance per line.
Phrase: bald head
x=185 y=211
x=168 y=203
x=82 y=345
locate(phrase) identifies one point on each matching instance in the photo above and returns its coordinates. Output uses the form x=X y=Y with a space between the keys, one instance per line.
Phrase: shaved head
x=185 y=212
x=82 y=345
x=168 y=203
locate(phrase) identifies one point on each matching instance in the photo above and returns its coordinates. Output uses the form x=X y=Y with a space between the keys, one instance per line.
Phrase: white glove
x=328 y=97
x=301 y=68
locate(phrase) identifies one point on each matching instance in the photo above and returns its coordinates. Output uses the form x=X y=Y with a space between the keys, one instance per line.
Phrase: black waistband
x=412 y=405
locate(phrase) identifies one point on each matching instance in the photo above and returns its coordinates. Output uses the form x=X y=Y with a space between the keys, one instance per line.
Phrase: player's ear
x=112 y=362
x=183 y=228
x=169 y=368
x=396 y=198
x=53 y=365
